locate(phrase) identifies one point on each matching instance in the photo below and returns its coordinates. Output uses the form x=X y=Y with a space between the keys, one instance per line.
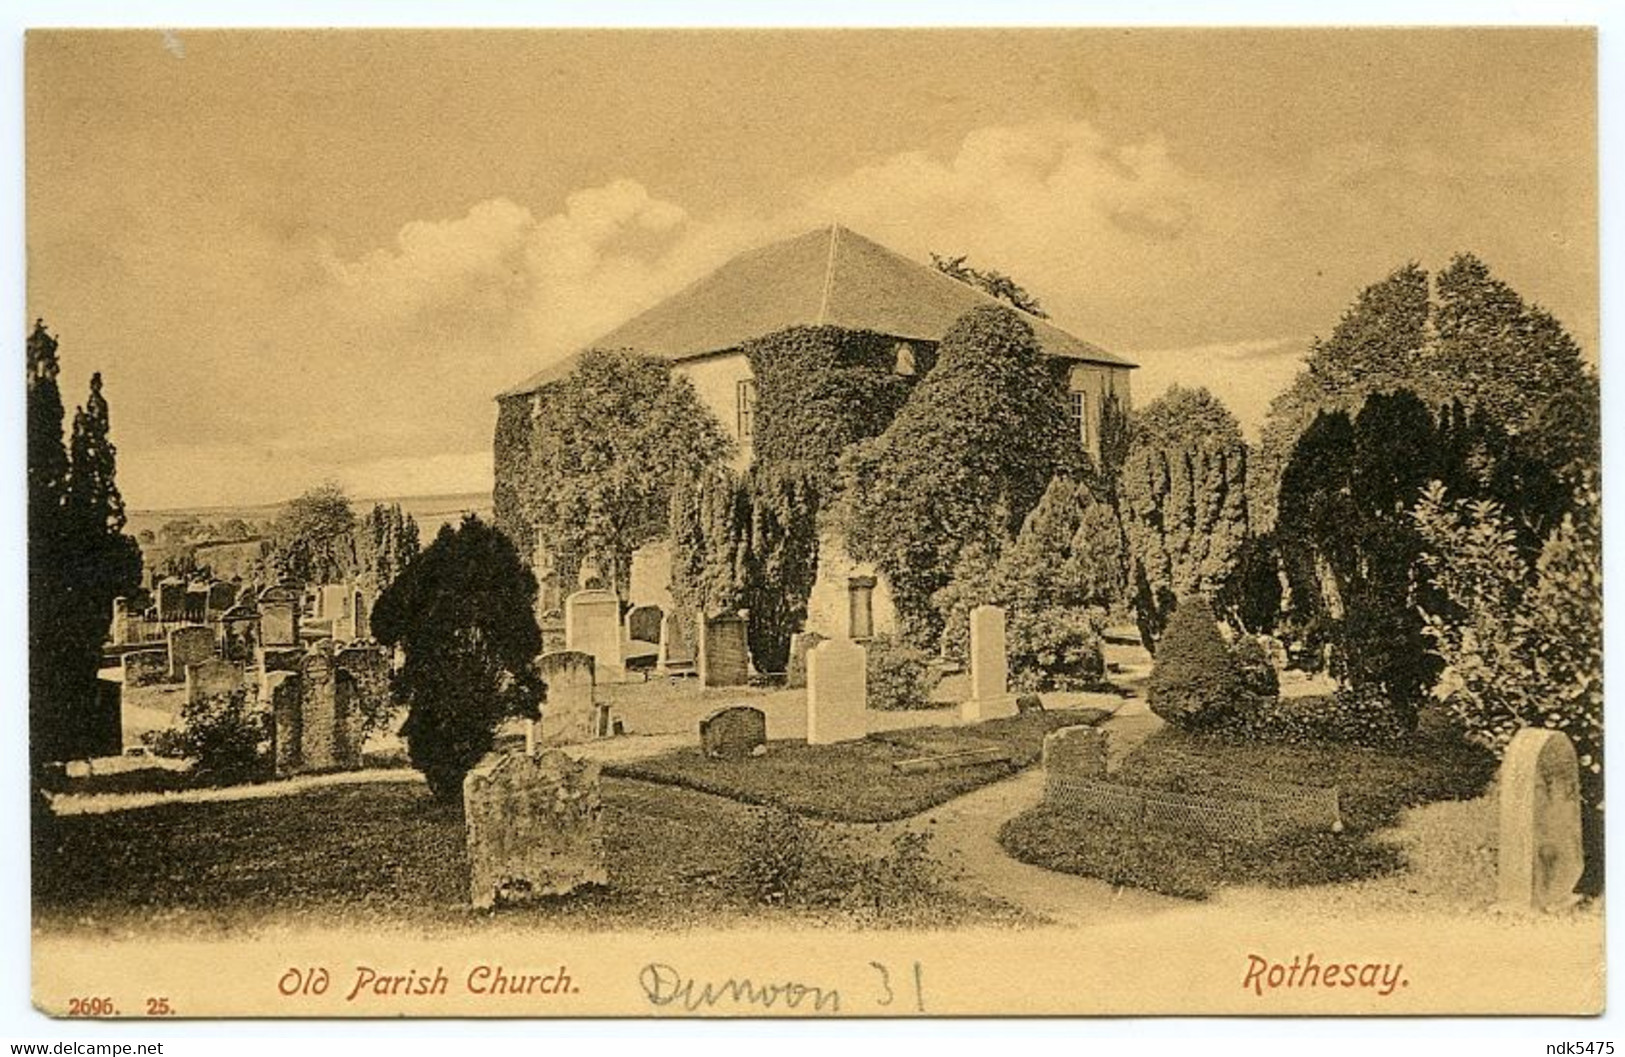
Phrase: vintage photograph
x=795 y=523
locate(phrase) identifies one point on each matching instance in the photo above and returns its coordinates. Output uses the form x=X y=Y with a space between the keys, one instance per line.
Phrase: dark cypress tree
x=47 y=489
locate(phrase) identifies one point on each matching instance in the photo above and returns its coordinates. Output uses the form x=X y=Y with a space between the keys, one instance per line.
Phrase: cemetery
x=860 y=664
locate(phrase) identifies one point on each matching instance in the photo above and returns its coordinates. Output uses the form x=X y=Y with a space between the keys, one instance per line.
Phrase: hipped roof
x=829 y=276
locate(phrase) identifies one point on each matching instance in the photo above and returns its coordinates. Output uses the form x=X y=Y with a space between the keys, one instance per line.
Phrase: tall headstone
x=171 y=600
x=1541 y=854
x=535 y=827
x=197 y=603
x=592 y=624
x=190 y=644
x=724 y=657
x=212 y=678
x=279 y=616
x=222 y=596
x=800 y=643
x=837 y=692
x=567 y=714
x=643 y=624
x=734 y=733
x=120 y=630
x=329 y=716
x=676 y=649
x=990 y=696
x=239 y=633
x=281 y=691
x=104 y=727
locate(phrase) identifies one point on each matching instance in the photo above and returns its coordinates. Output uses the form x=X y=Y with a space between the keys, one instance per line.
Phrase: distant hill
x=429 y=511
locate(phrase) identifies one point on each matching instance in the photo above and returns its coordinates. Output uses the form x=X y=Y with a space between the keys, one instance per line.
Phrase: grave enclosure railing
x=1248 y=812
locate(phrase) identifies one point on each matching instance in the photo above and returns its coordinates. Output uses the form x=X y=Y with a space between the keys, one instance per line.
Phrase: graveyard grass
x=856 y=781
x=1376 y=785
x=388 y=855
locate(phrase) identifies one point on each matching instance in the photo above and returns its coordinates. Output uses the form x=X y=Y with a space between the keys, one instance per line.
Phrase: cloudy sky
x=308 y=256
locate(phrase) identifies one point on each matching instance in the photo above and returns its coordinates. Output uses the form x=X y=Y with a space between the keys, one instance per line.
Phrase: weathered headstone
x=592 y=624
x=861 y=607
x=197 y=603
x=212 y=678
x=643 y=624
x=676 y=649
x=171 y=600
x=367 y=666
x=1541 y=855
x=990 y=696
x=145 y=667
x=120 y=630
x=800 y=643
x=239 y=633
x=330 y=734
x=535 y=827
x=567 y=715
x=1074 y=752
x=724 y=658
x=837 y=692
x=734 y=733
x=190 y=644
x=279 y=616
x=222 y=596
x=281 y=691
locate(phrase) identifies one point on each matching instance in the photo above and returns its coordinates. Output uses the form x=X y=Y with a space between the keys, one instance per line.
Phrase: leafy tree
x=965 y=460
x=79 y=559
x=462 y=614
x=1345 y=508
x=386 y=542
x=1522 y=636
x=748 y=542
x=1183 y=503
x=612 y=440
x=313 y=537
x=991 y=282
x=1499 y=354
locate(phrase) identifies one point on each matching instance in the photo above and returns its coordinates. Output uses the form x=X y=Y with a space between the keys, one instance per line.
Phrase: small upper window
x=747 y=409
x=1080 y=414
x=905 y=360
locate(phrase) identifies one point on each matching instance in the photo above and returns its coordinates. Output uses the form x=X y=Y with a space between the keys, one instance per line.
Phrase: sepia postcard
x=813 y=523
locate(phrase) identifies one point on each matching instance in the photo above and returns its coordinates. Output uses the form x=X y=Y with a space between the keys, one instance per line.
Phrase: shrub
x=1194 y=681
x=223 y=734
x=1349 y=717
x=1258 y=675
x=786 y=860
x=1055 y=649
x=900 y=676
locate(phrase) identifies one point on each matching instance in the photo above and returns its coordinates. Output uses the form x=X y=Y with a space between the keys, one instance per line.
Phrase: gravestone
x=734 y=733
x=643 y=624
x=104 y=728
x=1073 y=752
x=279 y=616
x=171 y=600
x=990 y=696
x=592 y=624
x=222 y=596
x=211 y=678
x=567 y=714
x=197 y=603
x=800 y=643
x=676 y=651
x=367 y=668
x=330 y=722
x=188 y=645
x=837 y=692
x=1541 y=855
x=239 y=633
x=120 y=630
x=280 y=690
x=535 y=827
x=145 y=667
x=724 y=658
